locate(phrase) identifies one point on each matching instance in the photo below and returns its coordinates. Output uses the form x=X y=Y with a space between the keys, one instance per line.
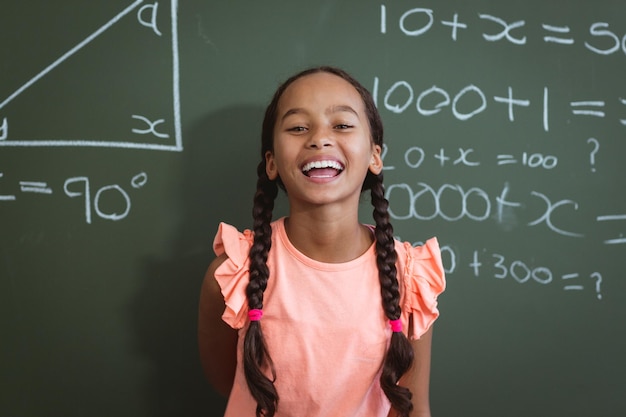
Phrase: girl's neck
x=328 y=237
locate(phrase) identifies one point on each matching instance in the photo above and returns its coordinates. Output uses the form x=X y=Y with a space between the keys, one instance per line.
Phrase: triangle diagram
x=105 y=76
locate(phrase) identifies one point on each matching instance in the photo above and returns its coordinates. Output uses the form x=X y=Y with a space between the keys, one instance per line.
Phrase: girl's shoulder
x=428 y=252
x=230 y=271
x=422 y=278
x=230 y=241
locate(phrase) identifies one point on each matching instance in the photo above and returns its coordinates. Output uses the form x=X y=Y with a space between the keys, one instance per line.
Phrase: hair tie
x=396 y=325
x=255 y=314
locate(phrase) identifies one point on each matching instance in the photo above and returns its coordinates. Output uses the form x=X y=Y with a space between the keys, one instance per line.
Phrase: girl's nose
x=319 y=139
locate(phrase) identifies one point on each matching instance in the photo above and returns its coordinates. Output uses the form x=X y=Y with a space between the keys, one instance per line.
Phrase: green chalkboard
x=129 y=129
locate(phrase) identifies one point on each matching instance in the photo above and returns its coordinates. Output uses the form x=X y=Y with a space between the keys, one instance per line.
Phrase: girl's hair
x=256 y=357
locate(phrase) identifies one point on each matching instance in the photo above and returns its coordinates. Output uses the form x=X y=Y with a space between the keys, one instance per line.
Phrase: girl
x=311 y=315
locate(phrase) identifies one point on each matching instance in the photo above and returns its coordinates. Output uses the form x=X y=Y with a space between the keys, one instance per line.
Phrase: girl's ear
x=270 y=166
x=376 y=163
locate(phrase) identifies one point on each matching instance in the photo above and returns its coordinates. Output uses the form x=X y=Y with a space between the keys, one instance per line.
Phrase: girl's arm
x=417 y=379
x=217 y=341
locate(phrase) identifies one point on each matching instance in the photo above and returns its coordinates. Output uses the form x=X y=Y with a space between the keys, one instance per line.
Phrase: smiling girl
x=316 y=314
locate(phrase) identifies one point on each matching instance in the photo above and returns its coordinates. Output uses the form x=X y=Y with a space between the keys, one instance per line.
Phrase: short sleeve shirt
x=324 y=324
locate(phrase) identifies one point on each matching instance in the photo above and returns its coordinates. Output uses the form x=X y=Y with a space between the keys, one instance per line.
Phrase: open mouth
x=322 y=169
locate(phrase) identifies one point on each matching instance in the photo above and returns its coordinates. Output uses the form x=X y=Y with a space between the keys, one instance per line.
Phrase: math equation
x=109 y=202
x=562 y=130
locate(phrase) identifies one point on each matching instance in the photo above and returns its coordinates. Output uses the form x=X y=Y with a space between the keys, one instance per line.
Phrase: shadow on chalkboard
x=217 y=183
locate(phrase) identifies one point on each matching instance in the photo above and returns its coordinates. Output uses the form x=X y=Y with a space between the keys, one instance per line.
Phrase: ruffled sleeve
x=422 y=280
x=232 y=274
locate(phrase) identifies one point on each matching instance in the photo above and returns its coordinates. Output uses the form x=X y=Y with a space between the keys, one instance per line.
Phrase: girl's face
x=322 y=142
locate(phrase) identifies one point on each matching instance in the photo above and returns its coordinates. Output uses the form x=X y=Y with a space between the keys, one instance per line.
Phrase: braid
x=255 y=353
x=399 y=357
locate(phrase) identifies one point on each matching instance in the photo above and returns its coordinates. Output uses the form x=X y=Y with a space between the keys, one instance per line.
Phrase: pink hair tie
x=396 y=325
x=255 y=314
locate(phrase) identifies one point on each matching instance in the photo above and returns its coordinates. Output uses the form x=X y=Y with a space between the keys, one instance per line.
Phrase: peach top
x=324 y=323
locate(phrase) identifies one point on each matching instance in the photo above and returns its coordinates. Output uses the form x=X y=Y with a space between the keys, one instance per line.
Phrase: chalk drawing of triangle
x=116 y=88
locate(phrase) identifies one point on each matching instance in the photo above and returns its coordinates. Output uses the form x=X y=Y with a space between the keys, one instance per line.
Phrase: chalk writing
x=592 y=154
x=151 y=129
x=81 y=187
x=613 y=217
x=534 y=160
x=36 y=187
x=486 y=264
x=152 y=22
x=414 y=156
x=6 y=197
x=419 y=21
x=560 y=31
x=137 y=181
x=595 y=276
x=452 y=202
x=4 y=129
x=146 y=16
x=400 y=95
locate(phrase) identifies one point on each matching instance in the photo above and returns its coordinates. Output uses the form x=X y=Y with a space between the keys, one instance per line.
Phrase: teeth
x=322 y=164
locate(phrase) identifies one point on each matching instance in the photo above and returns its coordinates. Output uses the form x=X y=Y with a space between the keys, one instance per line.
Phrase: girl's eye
x=343 y=126
x=297 y=129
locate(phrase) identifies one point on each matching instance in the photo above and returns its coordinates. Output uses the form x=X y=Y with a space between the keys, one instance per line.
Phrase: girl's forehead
x=320 y=87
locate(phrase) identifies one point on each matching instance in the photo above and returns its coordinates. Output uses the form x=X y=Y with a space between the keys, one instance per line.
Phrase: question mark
x=592 y=155
x=598 y=282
